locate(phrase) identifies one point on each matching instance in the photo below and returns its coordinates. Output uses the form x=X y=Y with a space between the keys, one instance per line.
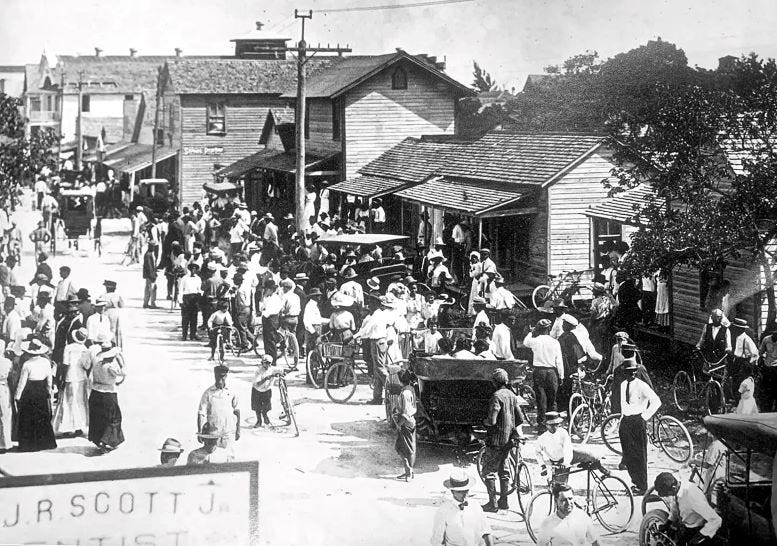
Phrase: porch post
x=132 y=186
x=480 y=233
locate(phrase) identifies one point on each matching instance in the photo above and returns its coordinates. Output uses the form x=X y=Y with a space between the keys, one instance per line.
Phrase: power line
x=394 y=6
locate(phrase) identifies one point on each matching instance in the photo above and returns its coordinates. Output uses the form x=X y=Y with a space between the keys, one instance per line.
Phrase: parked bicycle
x=286 y=403
x=665 y=432
x=227 y=339
x=607 y=498
x=591 y=407
x=520 y=482
x=566 y=287
x=686 y=387
x=287 y=345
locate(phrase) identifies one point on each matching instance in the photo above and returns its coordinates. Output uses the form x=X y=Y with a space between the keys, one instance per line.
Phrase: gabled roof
x=12 y=68
x=520 y=158
x=622 y=207
x=275 y=117
x=468 y=197
x=112 y=74
x=412 y=160
x=352 y=71
x=237 y=76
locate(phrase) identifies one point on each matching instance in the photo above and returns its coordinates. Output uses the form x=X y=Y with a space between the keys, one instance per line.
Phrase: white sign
x=203 y=150
x=202 y=505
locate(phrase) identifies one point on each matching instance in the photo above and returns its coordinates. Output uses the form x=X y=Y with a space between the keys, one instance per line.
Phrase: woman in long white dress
x=72 y=414
x=6 y=409
x=113 y=302
x=475 y=271
x=662 y=300
x=310 y=205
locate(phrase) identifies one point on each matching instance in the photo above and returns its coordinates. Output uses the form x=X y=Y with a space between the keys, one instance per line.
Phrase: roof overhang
x=369 y=186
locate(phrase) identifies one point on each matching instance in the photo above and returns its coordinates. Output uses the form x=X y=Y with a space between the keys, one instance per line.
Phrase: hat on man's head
x=373 y=283
x=621 y=335
x=339 y=299
x=569 y=319
x=42 y=277
x=171 y=445
x=314 y=292
x=630 y=364
x=553 y=418
x=44 y=292
x=543 y=323
x=458 y=480
x=109 y=284
x=389 y=302
x=212 y=266
x=220 y=371
x=242 y=205
x=485 y=251
x=350 y=273
x=34 y=347
x=289 y=216
x=739 y=323
x=209 y=432
x=301 y=277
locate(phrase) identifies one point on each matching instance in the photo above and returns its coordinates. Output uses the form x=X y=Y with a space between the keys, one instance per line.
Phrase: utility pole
x=156 y=123
x=60 y=108
x=79 y=129
x=302 y=50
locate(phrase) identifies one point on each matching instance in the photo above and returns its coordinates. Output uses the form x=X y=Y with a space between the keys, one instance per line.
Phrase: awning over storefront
x=275 y=160
x=219 y=187
x=471 y=198
x=623 y=206
x=136 y=157
x=368 y=186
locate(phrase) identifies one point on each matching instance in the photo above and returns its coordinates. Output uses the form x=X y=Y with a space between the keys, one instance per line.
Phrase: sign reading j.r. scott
x=175 y=506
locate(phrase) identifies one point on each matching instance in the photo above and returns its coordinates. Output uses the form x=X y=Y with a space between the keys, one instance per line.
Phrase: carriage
x=76 y=209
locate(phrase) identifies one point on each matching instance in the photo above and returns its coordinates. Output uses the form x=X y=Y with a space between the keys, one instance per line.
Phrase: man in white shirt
x=291 y=308
x=768 y=350
x=745 y=351
x=270 y=230
x=568 y=525
x=715 y=340
x=191 y=288
x=501 y=297
x=459 y=522
x=98 y=326
x=555 y=449
x=352 y=288
x=64 y=292
x=375 y=330
x=691 y=516
x=638 y=405
x=548 y=369
x=501 y=344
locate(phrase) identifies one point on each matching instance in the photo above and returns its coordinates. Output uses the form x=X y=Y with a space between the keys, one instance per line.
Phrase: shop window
x=216 y=122
x=399 y=79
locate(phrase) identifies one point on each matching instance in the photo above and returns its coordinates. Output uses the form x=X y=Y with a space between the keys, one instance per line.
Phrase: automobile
x=154 y=194
x=746 y=496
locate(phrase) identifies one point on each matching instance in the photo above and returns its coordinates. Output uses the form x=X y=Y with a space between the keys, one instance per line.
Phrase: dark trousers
x=242 y=320
x=40 y=198
x=207 y=307
x=495 y=462
x=189 y=308
x=633 y=436
x=564 y=393
x=545 y=388
x=648 y=307
x=767 y=400
x=270 y=335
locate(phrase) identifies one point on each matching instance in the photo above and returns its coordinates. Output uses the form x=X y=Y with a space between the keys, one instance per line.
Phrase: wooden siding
x=245 y=117
x=538 y=245
x=568 y=198
x=377 y=117
x=320 y=125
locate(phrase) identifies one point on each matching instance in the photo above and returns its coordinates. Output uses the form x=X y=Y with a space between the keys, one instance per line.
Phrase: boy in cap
x=261 y=393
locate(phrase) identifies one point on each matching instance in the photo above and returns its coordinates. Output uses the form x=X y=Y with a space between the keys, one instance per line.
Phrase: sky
x=508 y=38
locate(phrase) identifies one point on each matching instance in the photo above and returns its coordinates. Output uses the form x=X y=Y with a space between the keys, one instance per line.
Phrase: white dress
x=475 y=270
x=72 y=412
x=662 y=302
x=5 y=404
x=310 y=206
x=747 y=405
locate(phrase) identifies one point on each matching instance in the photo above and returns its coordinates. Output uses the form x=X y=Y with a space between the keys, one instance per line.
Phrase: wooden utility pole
x=61 y=110
x=79 y=130
x=156 y=123
x=302 y=50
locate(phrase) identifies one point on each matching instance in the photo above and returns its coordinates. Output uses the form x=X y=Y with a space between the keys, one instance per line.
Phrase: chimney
x=727 y=63
x=133 y=51
x=97 y=51
x=259 y=25
x=178 y=51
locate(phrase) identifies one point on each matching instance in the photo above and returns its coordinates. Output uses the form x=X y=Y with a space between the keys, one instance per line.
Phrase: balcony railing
x=43 y=116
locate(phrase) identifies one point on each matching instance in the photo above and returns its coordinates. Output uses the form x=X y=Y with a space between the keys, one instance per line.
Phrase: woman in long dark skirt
x=33 y=400
x=104 y=411
x=405 y=419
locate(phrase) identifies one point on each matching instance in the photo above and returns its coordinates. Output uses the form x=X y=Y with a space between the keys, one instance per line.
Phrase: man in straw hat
x=458 y=521
x=211 y=450
x=351 y=287
x=439 y=274
x=170 y=452
x=503 y=423
x=745 y=354
x=375 y=329
x=219 y=410
x=638 y=405
x=548 y=365
x=568 y=524
x=98 y=325
x=556 y=450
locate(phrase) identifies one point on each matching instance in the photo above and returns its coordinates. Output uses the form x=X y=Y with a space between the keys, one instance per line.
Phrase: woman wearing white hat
x=475 y=271
x=108 y=371
x=72 y=413
x=33 y=399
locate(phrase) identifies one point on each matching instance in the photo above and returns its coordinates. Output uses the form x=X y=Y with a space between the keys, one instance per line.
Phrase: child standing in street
x=97 y=233
x=261 y=393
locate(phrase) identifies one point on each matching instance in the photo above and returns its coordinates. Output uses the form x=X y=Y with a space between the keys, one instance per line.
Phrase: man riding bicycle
x=219 y=321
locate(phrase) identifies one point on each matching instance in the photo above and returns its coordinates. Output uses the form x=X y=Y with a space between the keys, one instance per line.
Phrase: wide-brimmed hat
x=289 y=216
x=439 y=257
x=301 y=277
x=171 y=445
x=314 y=292
x=374 y=283
x=569 y=319
x=34 y=347
x=100 y=302
x=387 y=301
x=341 y=300
x=553 y=418
x=739 y=323
x=458 y=480
x=622 y=335
x=80 y=335
x=269 y=216
x=349 y=273
x=630 y=364
x=107 y=351
x=543 y=323
x=209 y=432
x=109 y=284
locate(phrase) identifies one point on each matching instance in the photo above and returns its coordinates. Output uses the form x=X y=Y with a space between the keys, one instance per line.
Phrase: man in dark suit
x=150 y=274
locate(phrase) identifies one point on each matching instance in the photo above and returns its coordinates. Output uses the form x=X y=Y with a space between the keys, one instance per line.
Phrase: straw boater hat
x=171 y=445
x=569 y=319
x=630 y=364
x=553 y=418
x=34 y=347
x=458 y=480
x=739 y=323
x=100 y=302
x=373 y=283
x=80 y=335
x=349 y=273
x=341 y=300
x=314 y=292
x=209 y=433
x=107 y=351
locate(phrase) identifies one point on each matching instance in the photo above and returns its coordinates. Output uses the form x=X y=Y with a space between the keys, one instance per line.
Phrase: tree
x=483 y=81
x=20 y=157
x=710 y=155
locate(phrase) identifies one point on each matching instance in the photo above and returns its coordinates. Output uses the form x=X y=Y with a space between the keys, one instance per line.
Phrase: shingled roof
x=412 y=160
x=624 y=206
x=238 y=76
x=351 y=71
x=519 y=158
x=113 y=74
x=469 y=197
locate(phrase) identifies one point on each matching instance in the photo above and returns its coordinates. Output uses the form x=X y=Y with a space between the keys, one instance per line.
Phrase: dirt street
x=334 y=484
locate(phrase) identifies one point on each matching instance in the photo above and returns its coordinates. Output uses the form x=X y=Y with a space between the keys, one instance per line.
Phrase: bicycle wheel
x=316 y=369
x=582 y=297
x=288 y=408
x=648 y=529
x=613 y=503
x=682 y=390
x=539 y=296
x=610 y=431
x=512 y=465
x=716 y=402
x=340 y=382
x=574 y=401
x=581 y=424
x=523 y=486
x=650 y=497
x=539 y=509
x=290 y=354
x=674 y=439
x=235 y=344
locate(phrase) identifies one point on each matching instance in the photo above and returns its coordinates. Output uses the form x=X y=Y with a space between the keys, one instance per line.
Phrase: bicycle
x=520 y=482
x=288 y=408
x=287 y=346
x=317 y=361
x=592 y=409
x=566 y=287
x=665 y=432
x=685 y=386
x=230 y=341
x=346 y=367
x=611 y=501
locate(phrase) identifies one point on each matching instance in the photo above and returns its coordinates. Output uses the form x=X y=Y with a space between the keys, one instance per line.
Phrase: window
x=216 y=122
x=129 y=97
x=399 y=79
x=714 y=291
x=336 y=118
x=160 y=137
x=86 y=103
x=35 y=104
x=607 y=237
